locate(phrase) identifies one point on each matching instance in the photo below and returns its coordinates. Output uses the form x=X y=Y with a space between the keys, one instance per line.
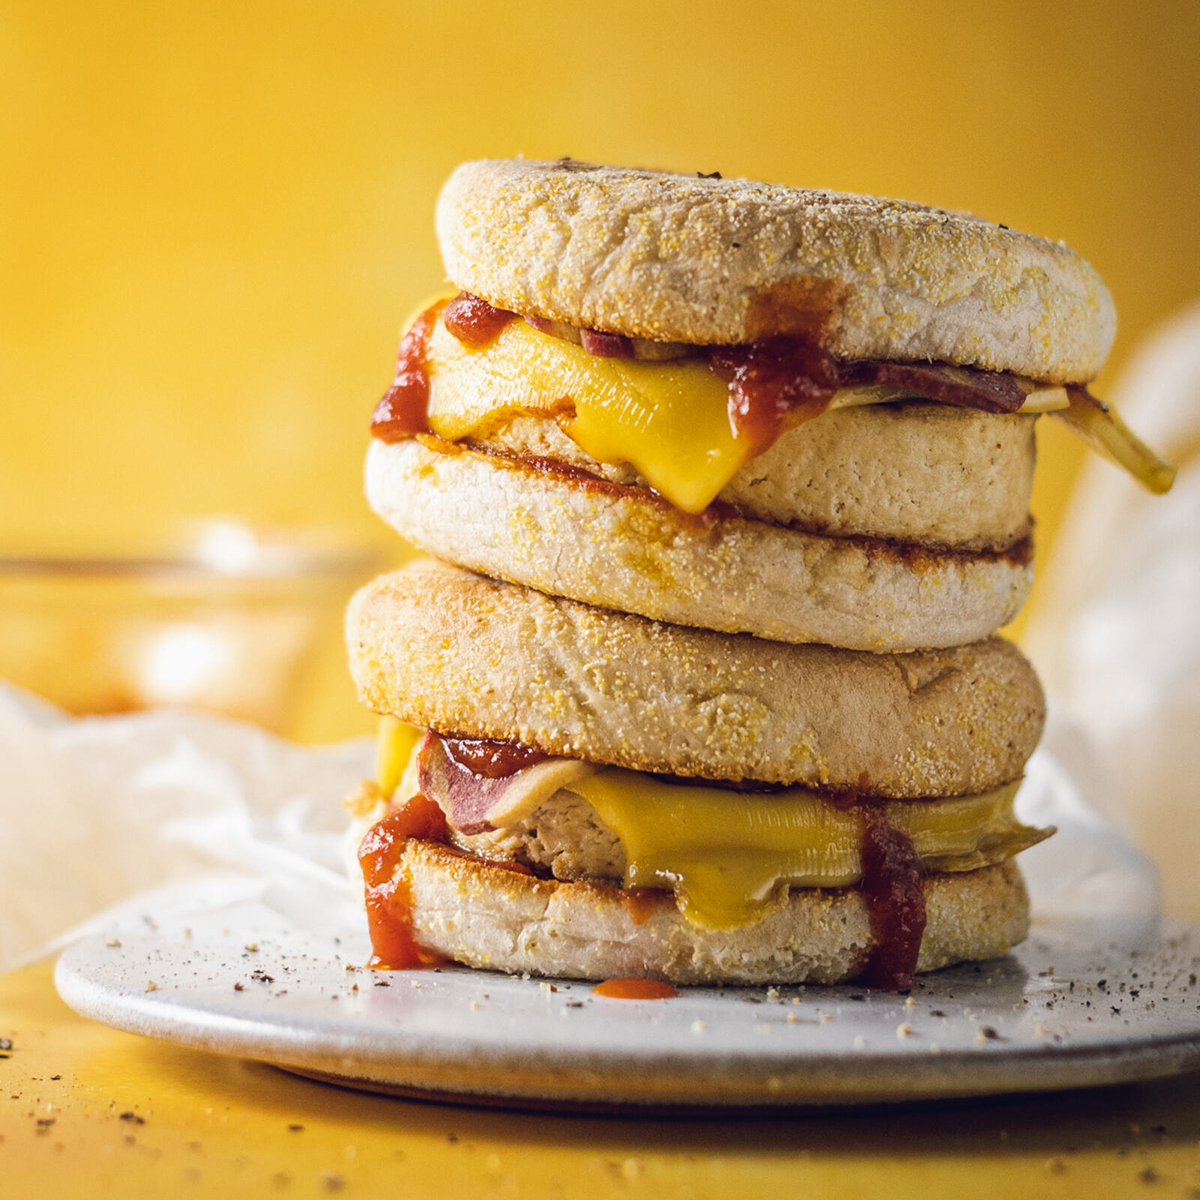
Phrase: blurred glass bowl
x=212 y=614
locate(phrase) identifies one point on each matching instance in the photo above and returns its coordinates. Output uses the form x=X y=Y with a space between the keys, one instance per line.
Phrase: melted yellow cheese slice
x=395 y=747
x=731 y=856
x=669 y=420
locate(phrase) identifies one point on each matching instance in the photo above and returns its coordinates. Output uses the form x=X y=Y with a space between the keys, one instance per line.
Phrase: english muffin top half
x=710 y=261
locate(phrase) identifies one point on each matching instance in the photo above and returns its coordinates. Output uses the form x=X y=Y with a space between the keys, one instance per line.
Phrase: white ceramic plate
x=1063 y=1011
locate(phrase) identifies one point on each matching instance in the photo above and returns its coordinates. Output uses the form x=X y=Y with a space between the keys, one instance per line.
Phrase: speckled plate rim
x=486 y=1070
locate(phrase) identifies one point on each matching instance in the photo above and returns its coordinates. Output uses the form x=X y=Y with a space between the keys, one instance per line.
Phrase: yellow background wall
x=213 y=216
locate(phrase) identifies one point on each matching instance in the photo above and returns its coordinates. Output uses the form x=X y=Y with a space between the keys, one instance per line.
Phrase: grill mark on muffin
x=571 y=473
x=923 y=557
x=919 y=557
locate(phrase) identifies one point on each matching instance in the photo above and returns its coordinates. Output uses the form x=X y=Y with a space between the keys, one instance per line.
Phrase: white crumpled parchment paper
x=103 y=819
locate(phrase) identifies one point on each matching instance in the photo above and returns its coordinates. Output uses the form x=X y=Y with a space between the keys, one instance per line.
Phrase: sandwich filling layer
x=728 y=857
x=686 y=424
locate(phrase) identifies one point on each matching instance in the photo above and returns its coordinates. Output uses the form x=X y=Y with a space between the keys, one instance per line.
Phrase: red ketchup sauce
x=634 y=989
x=893 y=885
x=640 y=902
x=389 y=905
x=773 y=384
x=403 y=410
x=475 y=322
x=491 y=759
x=389 y=908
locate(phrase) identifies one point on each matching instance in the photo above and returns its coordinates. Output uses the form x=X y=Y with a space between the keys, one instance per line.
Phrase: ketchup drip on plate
x=634 y=989
x=893 y=885
x=389 y=904
x=475 y=322
x=491 y=759
x=403 y=410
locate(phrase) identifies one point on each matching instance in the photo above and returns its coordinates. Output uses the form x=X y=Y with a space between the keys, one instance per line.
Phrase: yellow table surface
x=87 y=1111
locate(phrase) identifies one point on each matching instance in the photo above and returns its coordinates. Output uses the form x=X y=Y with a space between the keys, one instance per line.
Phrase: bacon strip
x=606 y=345
x=964 y=387
x=476 y=803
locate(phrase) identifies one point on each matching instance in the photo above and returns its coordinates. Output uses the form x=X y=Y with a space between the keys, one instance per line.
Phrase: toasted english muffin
x=622 y=547
x=443 y=648
x=484 y=915
x=672 y=257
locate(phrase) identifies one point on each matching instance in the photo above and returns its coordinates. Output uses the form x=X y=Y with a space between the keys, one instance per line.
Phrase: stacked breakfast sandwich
x=727 y=491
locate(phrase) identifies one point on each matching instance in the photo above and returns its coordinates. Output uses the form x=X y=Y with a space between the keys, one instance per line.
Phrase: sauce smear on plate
x=634 y=989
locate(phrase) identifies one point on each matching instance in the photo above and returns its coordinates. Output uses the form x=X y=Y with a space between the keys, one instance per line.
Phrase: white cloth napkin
x=104 y=819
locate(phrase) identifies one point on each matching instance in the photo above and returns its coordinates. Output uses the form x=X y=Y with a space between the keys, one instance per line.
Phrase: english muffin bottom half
x=570 y=791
